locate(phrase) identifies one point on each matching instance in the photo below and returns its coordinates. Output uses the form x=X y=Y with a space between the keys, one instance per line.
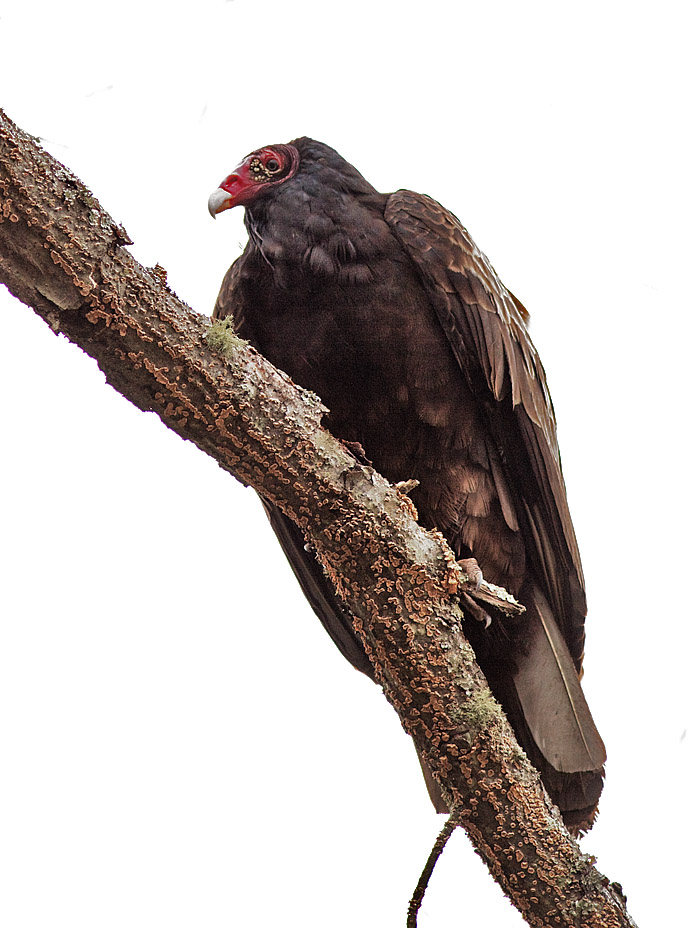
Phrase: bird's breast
x=377 y=356
x=373 y=350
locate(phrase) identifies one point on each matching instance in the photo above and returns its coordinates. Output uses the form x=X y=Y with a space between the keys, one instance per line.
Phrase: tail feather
x=551 y=697
x=532 y=674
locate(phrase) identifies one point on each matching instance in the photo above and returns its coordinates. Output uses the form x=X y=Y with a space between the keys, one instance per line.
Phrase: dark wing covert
x=486 y=328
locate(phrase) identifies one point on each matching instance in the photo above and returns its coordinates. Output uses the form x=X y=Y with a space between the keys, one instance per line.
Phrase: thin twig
x=422 y=885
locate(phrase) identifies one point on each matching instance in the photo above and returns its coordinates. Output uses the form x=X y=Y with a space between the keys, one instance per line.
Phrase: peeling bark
x=61 y=254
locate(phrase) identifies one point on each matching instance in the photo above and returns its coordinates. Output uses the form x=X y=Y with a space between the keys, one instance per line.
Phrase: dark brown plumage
x=384 y=306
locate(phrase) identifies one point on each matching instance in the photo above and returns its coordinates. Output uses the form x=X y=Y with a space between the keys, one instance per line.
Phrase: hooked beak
x=236 y=189
x=219 y=201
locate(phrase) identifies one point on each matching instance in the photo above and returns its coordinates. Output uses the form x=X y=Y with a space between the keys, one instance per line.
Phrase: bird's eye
x=272 y=165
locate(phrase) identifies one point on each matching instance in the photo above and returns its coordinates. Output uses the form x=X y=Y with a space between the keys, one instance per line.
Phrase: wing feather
x=487 y=329
x=230 y=302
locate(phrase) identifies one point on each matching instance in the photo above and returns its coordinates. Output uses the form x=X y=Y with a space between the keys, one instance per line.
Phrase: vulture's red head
x=255 y=175
x=315 y=166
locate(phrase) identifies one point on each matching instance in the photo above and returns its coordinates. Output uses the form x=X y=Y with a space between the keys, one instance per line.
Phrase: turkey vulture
x=383 y=305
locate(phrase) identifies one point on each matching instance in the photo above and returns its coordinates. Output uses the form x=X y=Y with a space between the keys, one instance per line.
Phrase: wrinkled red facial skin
x=251 y=176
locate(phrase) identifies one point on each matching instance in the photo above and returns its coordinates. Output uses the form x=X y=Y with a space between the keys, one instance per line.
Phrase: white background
x=181 y=744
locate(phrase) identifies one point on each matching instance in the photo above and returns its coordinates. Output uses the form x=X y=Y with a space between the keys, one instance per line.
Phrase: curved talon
x=474 y=609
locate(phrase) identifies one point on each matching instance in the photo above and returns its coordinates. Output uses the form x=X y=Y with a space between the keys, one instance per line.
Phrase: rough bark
x=61 y=254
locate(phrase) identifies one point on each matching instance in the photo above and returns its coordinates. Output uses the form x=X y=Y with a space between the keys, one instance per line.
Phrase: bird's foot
x=406 y=486
x=472 y=572
x=474 y=587
x=473 y=579
x=356 y=450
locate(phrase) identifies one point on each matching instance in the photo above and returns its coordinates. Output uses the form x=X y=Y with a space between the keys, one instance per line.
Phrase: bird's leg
x=472 y=572
x=473 y=578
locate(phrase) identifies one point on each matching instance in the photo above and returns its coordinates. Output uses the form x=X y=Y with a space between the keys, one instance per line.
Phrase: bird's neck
x=320 y=238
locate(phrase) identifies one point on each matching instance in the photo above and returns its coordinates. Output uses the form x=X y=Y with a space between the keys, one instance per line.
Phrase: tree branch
x=61 y=254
